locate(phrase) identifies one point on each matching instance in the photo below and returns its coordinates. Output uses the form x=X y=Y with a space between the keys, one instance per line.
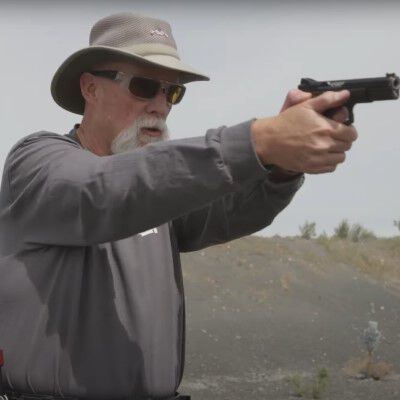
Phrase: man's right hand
x=301 y=139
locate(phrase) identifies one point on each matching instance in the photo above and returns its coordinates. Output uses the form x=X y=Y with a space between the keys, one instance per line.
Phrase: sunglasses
x=145 y=88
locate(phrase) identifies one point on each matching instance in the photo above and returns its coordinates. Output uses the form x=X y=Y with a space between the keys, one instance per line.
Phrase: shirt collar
x=73 y=134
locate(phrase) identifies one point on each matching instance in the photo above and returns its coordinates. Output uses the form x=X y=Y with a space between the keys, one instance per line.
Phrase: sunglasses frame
x=125 y=79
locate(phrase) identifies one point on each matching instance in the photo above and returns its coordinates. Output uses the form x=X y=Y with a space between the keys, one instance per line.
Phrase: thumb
x=328 y=100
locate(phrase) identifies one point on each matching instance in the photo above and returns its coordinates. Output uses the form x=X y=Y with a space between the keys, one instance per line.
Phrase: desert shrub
x=354 y=232
x=307 y=231
x=320 y=384
x=364 y=368
x=358 y=233
x=323 y=236
x=380 y=370
x=342 y=230
x=314 y=388
x=298 y=386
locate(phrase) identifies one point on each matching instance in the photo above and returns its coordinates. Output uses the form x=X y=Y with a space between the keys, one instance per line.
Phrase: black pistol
x=361 y=90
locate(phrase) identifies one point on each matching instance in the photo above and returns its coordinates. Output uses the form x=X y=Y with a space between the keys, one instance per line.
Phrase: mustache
x=131 y=137
x=152 y=123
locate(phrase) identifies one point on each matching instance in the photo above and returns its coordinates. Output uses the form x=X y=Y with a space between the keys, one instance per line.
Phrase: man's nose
x=159 y=105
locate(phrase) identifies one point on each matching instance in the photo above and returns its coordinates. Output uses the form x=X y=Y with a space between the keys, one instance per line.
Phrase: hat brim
x=65 y=85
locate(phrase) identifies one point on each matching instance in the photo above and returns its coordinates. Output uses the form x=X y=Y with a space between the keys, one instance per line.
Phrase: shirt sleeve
x=235 y=214
x=63 y=195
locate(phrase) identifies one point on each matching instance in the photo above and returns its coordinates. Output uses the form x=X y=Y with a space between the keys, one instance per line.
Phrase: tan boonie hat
x=122 y=37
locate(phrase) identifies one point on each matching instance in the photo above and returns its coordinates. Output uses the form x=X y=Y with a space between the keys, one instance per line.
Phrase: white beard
x=132 y=137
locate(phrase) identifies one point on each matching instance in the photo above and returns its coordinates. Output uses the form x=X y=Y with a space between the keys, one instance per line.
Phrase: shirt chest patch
x=149 y=232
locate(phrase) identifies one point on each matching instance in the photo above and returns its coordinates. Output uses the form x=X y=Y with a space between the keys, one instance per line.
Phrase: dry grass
x=366 y=368
x=378 y=258
x=285 y=281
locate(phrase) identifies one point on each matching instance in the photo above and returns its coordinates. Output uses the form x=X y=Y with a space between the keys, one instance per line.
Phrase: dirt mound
x=262 y=312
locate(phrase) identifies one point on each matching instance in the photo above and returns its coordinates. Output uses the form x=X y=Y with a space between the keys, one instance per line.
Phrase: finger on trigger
x=329 y=100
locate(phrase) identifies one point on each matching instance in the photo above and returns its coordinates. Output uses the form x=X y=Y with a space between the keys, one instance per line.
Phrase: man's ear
x=88 y=87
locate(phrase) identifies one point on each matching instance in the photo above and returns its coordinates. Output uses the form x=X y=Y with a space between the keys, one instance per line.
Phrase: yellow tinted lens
x=175 y=94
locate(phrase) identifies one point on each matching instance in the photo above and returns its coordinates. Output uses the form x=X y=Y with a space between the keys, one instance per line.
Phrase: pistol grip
x=349 y=106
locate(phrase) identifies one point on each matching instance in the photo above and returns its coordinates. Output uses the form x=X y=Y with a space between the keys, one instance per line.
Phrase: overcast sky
x=254 y=52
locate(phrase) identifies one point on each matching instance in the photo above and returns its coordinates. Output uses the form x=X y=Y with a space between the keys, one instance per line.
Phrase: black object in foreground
x=1 y=379
x=361 y=90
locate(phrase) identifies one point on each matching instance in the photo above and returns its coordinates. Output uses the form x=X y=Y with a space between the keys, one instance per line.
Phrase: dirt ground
x=263 y=314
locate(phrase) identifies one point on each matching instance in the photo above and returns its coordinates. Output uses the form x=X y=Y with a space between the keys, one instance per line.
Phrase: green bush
x=320 y=384
x=298 y=386
x=314 y=388
x=358 y=233
x=342 y=230
x=307 y=231
x=355 y=232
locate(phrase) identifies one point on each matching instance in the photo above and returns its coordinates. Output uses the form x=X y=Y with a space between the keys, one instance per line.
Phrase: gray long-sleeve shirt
x=91 y=294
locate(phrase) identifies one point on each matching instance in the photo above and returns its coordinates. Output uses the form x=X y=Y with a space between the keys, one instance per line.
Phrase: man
x=92 y=223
